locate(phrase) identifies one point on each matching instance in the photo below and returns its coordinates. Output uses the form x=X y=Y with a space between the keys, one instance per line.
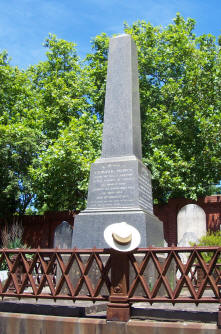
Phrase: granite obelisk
x=120 y=185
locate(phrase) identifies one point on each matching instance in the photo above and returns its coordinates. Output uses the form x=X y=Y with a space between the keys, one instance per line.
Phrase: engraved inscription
x=145 y=190
x=113 y=185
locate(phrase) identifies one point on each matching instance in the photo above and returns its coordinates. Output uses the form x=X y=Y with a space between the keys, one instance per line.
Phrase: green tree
x=61 y=179
x=36 y=105
x=18 y=147
x=19 y=141
x=60 y=171
x=60 y=86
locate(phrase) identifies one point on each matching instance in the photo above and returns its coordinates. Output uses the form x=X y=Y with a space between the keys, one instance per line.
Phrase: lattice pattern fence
x=147 y=275
x=190 y=280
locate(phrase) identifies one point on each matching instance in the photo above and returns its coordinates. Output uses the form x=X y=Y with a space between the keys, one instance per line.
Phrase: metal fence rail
x=48 y=273
x=185 y=285
x=171 y=275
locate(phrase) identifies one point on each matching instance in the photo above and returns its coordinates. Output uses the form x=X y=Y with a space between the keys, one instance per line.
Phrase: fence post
x=219 y=317
x=219 y=310
x=118 y=308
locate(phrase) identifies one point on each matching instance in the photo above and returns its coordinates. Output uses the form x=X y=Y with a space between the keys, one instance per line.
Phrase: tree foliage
x=60 y=86
x=19 y=141
x=51 y=118
x=62 y=177
x=210 y=239
x=42 y=110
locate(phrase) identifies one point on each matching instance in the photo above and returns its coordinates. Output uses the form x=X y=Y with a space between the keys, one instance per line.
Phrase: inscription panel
x=145 y=189
x=112 y=185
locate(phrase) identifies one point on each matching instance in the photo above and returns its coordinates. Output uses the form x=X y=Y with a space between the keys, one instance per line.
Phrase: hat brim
x=134 y=243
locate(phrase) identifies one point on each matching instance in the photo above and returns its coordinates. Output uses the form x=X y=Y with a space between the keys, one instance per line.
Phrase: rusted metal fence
x=151 y=275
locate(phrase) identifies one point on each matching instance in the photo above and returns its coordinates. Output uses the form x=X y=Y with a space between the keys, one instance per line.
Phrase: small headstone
x=191 y=226
x=190 y=219
x=63 y=235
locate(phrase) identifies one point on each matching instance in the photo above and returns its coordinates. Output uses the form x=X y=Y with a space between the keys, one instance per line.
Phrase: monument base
x=89 y=227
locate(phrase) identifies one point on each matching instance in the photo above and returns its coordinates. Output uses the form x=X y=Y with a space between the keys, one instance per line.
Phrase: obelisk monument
x=120 y=185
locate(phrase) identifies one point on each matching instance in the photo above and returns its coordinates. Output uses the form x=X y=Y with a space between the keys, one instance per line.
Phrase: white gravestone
x=191 y=220
x=191 y=226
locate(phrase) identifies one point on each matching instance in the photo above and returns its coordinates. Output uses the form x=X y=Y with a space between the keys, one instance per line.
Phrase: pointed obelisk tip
x=122 y=36
x=121 y=131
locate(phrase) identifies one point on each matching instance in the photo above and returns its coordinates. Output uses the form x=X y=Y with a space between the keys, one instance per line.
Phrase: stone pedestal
x=90 y=226
x=119 y=190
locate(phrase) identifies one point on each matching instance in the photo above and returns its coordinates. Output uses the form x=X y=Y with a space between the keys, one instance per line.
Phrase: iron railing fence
x=182 y=274
x=171 y=275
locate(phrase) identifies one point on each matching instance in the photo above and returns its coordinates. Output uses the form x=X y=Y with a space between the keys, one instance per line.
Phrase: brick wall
x=39 y=230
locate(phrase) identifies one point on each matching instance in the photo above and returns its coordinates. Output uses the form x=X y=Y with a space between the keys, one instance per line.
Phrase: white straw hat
x=122 y=237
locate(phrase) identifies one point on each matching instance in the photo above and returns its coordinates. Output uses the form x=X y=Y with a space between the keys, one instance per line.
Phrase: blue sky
x=24 y=24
